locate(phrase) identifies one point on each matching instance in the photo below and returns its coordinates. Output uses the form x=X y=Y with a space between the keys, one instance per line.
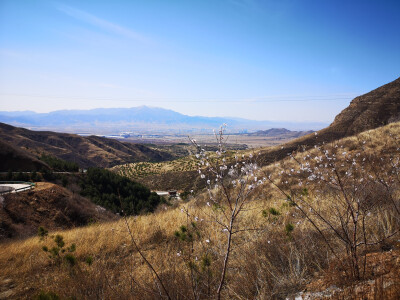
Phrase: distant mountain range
x=20 y=148
x=142 y=118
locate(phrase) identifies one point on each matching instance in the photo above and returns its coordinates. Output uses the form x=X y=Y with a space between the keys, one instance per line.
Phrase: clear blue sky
x=265 y=60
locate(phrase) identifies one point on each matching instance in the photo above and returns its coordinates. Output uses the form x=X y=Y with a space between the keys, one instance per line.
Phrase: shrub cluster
x=116 y=192
x=21 y=176
x=59 y=165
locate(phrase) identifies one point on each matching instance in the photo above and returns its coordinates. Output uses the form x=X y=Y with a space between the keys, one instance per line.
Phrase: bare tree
x=230 y=182
x=353 y=187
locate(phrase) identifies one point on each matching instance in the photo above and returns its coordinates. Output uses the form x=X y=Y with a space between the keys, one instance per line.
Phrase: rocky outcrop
x=374 y=109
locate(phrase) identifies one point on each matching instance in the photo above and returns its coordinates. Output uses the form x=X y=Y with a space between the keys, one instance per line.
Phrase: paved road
x=166 y=194
x=6 y=188
x=162 y=193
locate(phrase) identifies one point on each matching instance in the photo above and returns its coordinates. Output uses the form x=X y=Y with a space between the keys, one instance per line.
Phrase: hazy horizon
x=156 y=107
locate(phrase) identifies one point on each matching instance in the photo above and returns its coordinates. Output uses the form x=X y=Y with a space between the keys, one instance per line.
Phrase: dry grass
x=267 y=260
x=114 y=256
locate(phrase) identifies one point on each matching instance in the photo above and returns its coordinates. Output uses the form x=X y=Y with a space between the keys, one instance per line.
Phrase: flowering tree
x=230 y=182
x=346 y=194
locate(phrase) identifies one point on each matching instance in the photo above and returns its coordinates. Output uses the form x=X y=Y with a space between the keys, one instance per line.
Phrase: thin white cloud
x=100 y=23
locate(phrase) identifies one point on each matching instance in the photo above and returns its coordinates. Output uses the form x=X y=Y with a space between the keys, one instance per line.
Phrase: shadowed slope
x=16 y=159
x=86 y=151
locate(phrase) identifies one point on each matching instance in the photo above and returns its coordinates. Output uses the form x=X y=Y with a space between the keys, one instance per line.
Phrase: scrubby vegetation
x=144 y=169
x=118 y=193
x=56 y=165
x=43 y=175
x=20 y=176
x=59 y=165
x=324 y=217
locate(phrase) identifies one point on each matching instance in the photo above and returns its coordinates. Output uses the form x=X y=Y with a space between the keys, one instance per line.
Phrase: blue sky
x=265 y=60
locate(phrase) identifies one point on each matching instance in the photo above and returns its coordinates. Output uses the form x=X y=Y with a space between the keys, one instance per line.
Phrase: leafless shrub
x=363 y=208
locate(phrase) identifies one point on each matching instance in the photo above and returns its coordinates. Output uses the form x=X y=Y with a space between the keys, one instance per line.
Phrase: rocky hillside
x=48 y=205
x=86 y=151
x=374 y=109
x=369 y=111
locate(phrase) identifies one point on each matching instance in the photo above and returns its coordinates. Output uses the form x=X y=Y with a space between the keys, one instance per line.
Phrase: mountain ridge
x=139 y=118
x=368 y=111
x=374 y=109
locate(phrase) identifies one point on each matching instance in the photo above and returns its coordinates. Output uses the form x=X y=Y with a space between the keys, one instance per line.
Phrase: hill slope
x=86 y=151
x=372 y=110
x=280 y=132
x=262 y=265
x=48 y=205
x=17 y=159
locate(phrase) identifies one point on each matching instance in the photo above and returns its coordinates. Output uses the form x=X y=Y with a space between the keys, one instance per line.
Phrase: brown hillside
x=374 y=109
x=17 y=159
x=48 y=205
x=86 y=151
x=369 y=111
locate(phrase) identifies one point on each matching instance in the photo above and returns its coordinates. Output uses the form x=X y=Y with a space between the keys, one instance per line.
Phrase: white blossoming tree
x=230 y=181
x=344 y=194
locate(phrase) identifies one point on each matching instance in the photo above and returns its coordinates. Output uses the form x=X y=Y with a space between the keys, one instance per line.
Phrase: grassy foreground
x=328 y=215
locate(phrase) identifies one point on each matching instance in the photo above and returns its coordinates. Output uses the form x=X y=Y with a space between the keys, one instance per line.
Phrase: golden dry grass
x=265 y=261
